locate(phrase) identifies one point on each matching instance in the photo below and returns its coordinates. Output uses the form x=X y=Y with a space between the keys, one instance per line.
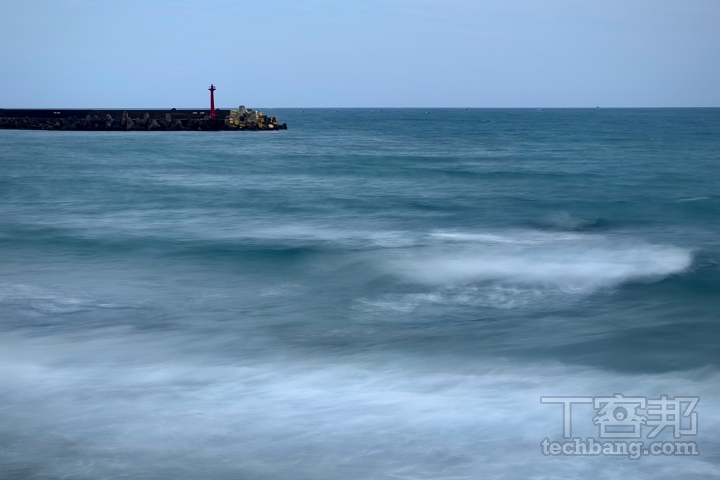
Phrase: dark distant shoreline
x=136 y=119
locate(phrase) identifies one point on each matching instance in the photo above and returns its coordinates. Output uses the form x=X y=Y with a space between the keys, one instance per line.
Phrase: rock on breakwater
x=138 y=120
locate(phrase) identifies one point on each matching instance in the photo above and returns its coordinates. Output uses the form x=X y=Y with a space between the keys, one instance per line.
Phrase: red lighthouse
x=212 y=100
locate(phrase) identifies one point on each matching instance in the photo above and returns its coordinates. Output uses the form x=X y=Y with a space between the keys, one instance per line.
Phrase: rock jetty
x=137 y=120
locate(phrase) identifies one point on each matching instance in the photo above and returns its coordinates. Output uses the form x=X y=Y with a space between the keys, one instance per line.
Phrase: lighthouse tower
x=212 y=100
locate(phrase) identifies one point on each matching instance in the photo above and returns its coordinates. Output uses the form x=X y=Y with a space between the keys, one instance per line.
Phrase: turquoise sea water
x=370 y=294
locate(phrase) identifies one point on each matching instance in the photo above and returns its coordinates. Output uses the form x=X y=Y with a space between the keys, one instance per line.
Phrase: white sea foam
x=48 y=301
x=491 y=296
x=571 y=262
x=318 y=236
x=398 y=417
x=693 y=199
x=51 y=302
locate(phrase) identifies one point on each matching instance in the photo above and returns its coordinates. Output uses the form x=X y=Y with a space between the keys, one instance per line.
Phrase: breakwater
x=134 y=120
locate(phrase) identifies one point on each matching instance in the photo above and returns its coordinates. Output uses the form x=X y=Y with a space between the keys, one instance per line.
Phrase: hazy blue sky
x=391 y=53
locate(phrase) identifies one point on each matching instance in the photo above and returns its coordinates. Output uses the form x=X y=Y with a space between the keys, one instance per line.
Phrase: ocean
x=371 y=294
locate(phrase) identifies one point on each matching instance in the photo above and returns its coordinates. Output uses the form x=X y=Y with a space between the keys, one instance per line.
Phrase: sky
x=370 y=53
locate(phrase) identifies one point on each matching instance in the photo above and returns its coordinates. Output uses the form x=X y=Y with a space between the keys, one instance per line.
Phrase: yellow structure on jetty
x=248 y=119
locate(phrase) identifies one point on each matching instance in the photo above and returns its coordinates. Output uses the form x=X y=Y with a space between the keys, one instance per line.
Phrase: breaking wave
x=567 y=261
